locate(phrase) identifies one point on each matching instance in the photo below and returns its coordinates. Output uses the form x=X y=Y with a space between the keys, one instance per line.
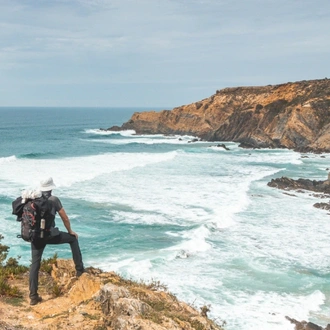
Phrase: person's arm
x=66 y=222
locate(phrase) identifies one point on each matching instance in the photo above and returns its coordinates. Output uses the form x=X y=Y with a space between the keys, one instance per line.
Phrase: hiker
x=59 y=237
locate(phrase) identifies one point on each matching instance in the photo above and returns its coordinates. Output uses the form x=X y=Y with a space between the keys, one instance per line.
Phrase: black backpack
x=35 y=216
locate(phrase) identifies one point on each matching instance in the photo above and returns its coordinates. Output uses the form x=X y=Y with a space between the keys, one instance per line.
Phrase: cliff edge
x=294 y=115
x=97 y=301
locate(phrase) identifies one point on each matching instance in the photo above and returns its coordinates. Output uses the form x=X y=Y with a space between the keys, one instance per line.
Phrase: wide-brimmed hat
x=47 y=185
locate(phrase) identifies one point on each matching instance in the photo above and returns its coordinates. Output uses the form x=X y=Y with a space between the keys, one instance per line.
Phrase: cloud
x=187 y=43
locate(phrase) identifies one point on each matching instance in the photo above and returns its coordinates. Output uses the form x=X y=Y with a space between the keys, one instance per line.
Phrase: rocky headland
x=293 y=115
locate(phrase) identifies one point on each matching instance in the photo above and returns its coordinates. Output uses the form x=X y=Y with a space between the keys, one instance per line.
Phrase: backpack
x=35 y=216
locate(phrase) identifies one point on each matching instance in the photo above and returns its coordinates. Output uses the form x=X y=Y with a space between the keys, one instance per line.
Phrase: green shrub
x=8 y=290
x=46 y=264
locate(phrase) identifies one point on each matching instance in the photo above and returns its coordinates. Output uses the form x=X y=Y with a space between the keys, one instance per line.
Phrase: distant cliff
x=291 y=115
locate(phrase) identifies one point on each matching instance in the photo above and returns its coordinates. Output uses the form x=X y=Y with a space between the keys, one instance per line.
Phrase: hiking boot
x=34 y=301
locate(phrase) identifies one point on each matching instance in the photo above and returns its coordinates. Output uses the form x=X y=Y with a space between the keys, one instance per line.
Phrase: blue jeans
x=37 y=249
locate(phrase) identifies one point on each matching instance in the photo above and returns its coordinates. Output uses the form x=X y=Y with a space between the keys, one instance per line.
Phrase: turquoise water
x=196 y=217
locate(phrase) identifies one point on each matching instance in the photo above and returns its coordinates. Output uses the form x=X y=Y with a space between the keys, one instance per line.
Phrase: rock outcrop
x=291 y=115
x=321 y=188
x=98 y=300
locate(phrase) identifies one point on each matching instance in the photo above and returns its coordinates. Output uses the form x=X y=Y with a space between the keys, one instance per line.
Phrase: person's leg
x=37 y=248
x=63 y=238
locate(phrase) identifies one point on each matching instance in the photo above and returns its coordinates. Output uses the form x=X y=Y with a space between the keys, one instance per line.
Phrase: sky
x=155 y=53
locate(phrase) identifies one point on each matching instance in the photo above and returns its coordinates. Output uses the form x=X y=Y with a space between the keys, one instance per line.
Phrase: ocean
x=195 y=217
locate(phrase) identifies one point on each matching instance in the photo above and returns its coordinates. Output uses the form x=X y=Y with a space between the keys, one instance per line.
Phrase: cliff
x=97 y=301
x=291 y=115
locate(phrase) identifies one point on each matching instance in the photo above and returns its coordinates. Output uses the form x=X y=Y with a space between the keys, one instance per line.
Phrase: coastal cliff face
x=292 y=115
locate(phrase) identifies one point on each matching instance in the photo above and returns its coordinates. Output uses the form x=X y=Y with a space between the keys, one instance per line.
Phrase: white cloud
x=206 y=42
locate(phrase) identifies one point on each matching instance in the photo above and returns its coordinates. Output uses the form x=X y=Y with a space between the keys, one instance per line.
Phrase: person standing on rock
x=60 y=237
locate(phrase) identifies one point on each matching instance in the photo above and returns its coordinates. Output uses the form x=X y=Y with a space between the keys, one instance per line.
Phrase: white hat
x=47 y=185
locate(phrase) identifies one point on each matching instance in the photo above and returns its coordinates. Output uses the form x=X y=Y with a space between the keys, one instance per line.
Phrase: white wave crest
x=276 y=156
x=194 y=241
x=147 y=139
x=9 y=159
x=108 y=132
x=73 y=170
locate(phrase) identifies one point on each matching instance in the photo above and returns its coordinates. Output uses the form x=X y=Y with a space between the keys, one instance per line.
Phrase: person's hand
x=73 y=233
